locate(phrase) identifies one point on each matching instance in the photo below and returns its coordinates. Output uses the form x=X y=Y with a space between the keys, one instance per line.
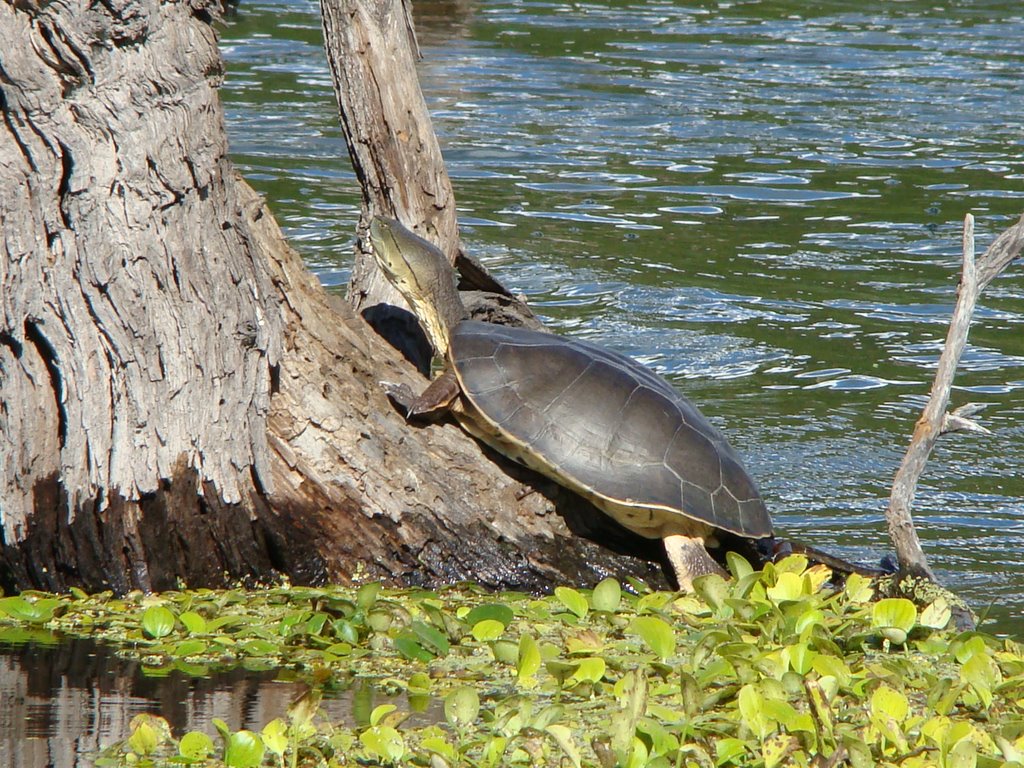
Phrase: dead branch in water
x=935 y=420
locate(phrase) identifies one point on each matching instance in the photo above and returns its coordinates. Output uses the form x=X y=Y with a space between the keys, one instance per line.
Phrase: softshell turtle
x=591 y=419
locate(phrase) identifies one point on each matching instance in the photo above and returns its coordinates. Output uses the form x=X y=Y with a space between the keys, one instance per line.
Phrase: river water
x=761 y=200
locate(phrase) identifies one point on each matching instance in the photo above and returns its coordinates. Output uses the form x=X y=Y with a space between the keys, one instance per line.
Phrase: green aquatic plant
x=771 y=668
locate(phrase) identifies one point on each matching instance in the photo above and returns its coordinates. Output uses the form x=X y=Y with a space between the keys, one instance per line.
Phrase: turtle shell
x=604 y=425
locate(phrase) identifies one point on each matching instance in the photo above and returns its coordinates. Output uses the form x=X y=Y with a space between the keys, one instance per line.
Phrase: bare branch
x=1004 y=249
x=934 y=420
x=959 y=420
x=901 y=525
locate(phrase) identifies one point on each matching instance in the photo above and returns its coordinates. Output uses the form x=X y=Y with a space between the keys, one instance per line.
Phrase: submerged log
x=180 y=400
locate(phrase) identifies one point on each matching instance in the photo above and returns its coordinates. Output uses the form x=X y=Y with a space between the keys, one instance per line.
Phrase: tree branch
x=934 y=419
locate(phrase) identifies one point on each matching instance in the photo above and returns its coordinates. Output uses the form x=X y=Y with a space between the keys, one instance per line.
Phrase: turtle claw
x=400 y=394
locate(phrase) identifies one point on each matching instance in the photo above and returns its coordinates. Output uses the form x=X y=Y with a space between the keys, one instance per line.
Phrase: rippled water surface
x=762 y=200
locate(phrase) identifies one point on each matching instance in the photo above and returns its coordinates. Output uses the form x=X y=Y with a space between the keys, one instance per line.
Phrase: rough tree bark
x=137 y=334
x=179 y=398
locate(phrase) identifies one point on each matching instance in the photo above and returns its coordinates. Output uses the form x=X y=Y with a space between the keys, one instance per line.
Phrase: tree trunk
x=180 y=401
x=138 y=333
x=372 y=52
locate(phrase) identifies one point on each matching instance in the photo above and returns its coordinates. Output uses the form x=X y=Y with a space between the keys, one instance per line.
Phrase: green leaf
x=729 y=750
x=345 y=631
x=713 y=590
x=431 y=638
x=409 y=646
x=144 y=739
x=316 y=623
x=792 y=564
x=440 y=746
x=490 y=611
x=894 y=617
x=258 y=647
x=800 y=658
x=222 y=728
x=978 y=672
x=638 y=754
x=187 y=648
x=488 y=629
x=832 y=666
x=751 y=706
x=275 y=736
x=193 y=622
x=462 y=706
x=244 y=750
x=936 y=615
x=195 y=745
x=810 y=618
x=657 y=634
x=572 y=600
x=689 y=691
x=505 y=651
x=739 y=567
x=366 y=595
x=383 y=742
x=420 y=682
x=963 y=755
x=563 y=737
x=494 y=752
x=528 y=661
x=607 y=596
x=157 y=621
x=889 y=709
x=632 y=692
x=858 y=588
x=788 y=587
x=561 y=670
x=590 y=670
x=29 y=611
x=380 y=712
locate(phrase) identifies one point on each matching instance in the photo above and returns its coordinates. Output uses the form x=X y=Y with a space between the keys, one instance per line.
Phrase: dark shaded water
x=762 y=200
x=63 y=701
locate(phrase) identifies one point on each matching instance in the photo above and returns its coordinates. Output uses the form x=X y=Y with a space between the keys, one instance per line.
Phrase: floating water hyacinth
x=769 y=668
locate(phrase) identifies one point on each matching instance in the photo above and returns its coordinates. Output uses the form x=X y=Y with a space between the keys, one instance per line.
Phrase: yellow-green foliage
x=768 y=669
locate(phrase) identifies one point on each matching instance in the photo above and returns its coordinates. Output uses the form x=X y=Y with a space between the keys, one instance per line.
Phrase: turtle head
x=422 y=274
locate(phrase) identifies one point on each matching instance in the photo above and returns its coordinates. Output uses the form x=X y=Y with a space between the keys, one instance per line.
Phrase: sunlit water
x=761 y=200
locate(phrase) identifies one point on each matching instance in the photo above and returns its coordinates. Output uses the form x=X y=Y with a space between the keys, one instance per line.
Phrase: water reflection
x=65 y=700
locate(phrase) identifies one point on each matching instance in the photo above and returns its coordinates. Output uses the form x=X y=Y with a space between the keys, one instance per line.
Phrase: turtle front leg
x=690 y=559
x=432 y=402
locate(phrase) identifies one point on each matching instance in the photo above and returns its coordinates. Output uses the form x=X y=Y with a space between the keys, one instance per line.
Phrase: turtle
x=591 y=419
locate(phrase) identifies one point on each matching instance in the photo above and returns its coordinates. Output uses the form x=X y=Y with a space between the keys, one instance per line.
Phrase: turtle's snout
x=378 y=228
